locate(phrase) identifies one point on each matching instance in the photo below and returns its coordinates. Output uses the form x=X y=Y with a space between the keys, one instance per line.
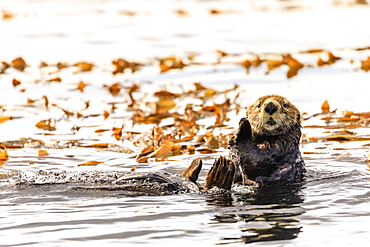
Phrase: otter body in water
x=265 y=147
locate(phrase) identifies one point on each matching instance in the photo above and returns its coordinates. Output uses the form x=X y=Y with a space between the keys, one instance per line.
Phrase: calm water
x=54 y=201
x=330 y=208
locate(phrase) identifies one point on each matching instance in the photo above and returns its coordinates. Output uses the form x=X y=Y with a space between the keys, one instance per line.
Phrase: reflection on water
x=69 y=213
x=270 y=212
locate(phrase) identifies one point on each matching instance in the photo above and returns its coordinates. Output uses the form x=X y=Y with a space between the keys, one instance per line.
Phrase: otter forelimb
x=266 y=158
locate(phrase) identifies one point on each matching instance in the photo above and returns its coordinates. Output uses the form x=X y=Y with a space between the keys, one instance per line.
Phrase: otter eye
x=285 y=105
x=259 y=105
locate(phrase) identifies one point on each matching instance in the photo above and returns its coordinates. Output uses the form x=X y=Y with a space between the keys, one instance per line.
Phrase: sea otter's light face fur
x=273 y=115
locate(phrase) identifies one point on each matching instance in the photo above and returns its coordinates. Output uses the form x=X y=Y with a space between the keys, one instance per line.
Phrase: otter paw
x=192 y=172
x=221 y=174
x=244 y=132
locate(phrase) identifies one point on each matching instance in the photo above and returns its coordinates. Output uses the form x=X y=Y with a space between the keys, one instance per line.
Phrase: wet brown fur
x=265 y=147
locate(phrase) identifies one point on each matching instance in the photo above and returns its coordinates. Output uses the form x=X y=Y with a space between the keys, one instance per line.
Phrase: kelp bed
x=149 y=121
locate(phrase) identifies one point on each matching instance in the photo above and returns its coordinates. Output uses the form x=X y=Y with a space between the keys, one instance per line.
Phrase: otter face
x=272 y=115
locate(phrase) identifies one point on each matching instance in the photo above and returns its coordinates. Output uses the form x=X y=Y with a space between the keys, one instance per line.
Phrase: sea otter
x=265 y=147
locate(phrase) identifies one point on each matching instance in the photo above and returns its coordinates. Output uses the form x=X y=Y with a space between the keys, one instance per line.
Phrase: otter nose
x=270 y=108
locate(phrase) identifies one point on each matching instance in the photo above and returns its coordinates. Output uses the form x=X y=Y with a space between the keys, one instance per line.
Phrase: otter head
x=273 y=115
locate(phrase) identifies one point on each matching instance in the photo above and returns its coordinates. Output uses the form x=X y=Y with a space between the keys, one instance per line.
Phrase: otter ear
x=299 y=118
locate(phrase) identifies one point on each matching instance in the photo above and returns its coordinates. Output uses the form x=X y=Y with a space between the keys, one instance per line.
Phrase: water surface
x=53 y=200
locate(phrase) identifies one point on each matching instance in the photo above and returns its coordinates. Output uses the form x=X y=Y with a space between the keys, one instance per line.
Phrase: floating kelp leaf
x=127 y=12
x=320 y=62
x=142 y=157
x=11 y=145
x=87 y=104
x=90 y=163
x=219 y=110
x=46 y=101
x=175 y=148
x=43 y=64
x=117 y=133
x=362 y=48
x=98 y=145
x=146 y=120
x=331 y=59
x=215 y=12
x=210 y=92
x=206 y=150
x=6 y=15
x=165 y=95
x=182 y=13
x=210 y=140
x=81 y=86
x=164 y=105
x=30 y=101
x=344 y=131
x=122 y=64
x=131 y=90
x=325 y=107
x=190 y=148
x=362 y=114
x=66 y=112
x=105 y=114
x=62 y=65
x=3 y=119
x=18 y=64
x=246 y=64
x=293 y=64
x=139 y=117
x=365 y=65
x=306 y=152
x=257 y=61
x=48 y=124
x=16 y=82
x=347 y=138
x=163 y=150
x=3 y=66
x=184 y=139
x=167 y=148
x=80 y=115
x=186 y=126
x=273 y=64
x=55 y=79
x=199 y=86
x=133 y=168
x=220 y=55
x=101 y=130
x=353 y=118
x=313 y=51
x=115 y=89
x=166 y=64
x=84 y=66
x=42 y=152
x=3 y=154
